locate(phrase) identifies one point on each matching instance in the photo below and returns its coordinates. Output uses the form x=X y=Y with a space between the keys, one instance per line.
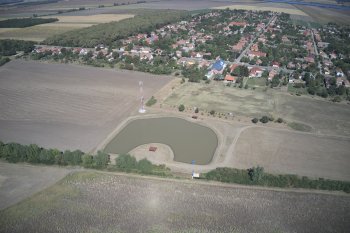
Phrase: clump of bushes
x=151 y=101
x=181 y=107
x=257 y=176
x=128 y=163
x=279 y=120
x=264 y=119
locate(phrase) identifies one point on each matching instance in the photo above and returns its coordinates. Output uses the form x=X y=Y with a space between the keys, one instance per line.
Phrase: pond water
x=189 y=141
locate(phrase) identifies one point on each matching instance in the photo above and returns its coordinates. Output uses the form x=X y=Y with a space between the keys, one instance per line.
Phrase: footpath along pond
x=189 y=141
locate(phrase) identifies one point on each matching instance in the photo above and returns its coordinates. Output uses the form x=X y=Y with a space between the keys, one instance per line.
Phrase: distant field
x=65 y=23
x=67 y=106
x=262 y=7
x=324 y=117
x=39 y=32
x=92 y=19
x=94 y=202
x=323 y=15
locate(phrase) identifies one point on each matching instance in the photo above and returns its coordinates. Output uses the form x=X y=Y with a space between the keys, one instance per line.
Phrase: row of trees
x=25 y=22
x=14 y=153
x=257 y=176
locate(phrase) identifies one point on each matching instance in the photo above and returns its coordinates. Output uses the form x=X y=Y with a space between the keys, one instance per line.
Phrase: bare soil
x=92 y=202
x=293 y=153
x=66 y=106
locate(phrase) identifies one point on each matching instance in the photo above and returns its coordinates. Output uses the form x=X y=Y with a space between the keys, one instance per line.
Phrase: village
x=229 y=46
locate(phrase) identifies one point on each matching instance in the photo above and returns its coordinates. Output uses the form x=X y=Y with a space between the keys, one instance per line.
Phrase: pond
x=189 y=141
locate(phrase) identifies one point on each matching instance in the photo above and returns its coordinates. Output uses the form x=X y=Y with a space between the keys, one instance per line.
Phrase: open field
x=324 y=117
x=277 y=7
x=92 y=19
x=283 y=152
x=39 y=33
x=325 y=15
x=19 y=181
x=93 y=202
x=65 y=24
x=67 y=106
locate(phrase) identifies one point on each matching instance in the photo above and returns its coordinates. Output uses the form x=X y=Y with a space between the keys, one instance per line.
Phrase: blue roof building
x=218 y=65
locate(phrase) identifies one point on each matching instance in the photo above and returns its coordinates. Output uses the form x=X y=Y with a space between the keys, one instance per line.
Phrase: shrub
x=264 y=119
x=279 y=120
x=125 y=162
x=101 y=160
x=87 y=161
x=181 y=108
x=145 y=166
x=255 y=120
x=212 y=112
x=151 y=101
x=336 y=99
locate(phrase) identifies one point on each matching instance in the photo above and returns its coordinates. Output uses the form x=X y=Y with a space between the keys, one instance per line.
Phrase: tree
x=88 y=161
x=101 y=160
x=181 y=108
x=125 y=162
x=33 y=152
x=280 y=120
x=212 y=112
x=255 y=120
x=145 y=166
x=256 y=173
x=264 y=119
x=196 y=110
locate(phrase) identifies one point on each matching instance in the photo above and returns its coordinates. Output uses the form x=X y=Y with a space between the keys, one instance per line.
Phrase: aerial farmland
x=174 y=116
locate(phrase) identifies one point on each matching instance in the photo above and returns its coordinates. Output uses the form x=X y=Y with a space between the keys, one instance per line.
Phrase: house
x=309 y=59
x=339 y=72
x=254 y=47
x=216 y=68
x=322 y=45
x=285 y=39
x=230 y=79
x=272 y=74
x=233 y=67
x=258 y=54
x=255 y=72
x=291 y=65
x=275 y=64
x=240 y=24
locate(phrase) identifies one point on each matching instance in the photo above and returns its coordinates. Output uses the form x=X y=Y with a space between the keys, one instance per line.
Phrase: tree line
x=16 y=153
x=108 y=33
x=24 y=22
x=257 y=176
x=9 y=47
